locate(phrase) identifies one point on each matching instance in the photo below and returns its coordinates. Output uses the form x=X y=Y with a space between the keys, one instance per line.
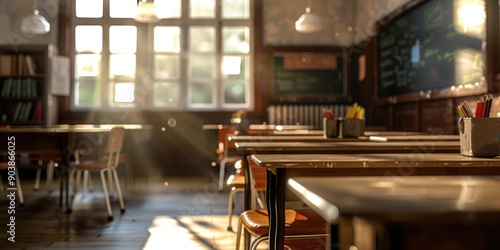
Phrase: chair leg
x=111 y=189
x=90 y=184
x=119 y=191
x=257 y=241
x=50 y=175
x=19 y=189
x=232 y=194
x=238 y=233
x=261 y=197
x=85 y=181
x=221 y=174
x=38 y=175
x=106 y=195
x=77 y=180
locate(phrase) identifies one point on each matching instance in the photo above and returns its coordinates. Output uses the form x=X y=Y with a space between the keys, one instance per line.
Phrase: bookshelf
x=25 y=92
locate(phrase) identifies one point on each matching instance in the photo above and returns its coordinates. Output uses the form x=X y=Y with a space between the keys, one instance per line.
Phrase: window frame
x=144 y=76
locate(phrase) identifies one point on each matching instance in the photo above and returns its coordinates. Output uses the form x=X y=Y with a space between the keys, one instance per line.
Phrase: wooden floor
x=176 y=213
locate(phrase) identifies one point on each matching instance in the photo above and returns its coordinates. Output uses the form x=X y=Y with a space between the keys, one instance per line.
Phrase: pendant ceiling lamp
x=35 y=24
x=308 y=22
x=146 y=12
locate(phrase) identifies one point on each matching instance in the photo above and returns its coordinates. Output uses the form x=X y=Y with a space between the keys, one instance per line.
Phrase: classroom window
x=197 y=57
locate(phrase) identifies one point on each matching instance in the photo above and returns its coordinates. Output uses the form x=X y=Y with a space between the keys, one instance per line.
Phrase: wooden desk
x=424 y=201
x=389 y=165
x=59 y=137
x=248 y=148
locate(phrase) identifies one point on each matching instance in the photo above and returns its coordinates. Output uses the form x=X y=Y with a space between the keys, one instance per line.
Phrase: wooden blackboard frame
x=309 y=76
x=453 y=90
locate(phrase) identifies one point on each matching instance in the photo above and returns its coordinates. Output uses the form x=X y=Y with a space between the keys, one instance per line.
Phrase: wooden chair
x=20 y=196
x=303 y=223
x=113 y=148
x=49 y=160
x=223 y=152
x=237 y=184
x=300 y=224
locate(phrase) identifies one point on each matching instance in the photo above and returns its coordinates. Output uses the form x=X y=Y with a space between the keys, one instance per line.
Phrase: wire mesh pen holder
x=479 y=136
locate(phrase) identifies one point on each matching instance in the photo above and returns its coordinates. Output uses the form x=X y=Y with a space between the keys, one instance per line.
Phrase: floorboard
x=177 y=213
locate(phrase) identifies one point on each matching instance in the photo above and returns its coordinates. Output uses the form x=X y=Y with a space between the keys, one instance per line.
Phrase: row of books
x=19 y=88
x=27 y=111
x=17 y=65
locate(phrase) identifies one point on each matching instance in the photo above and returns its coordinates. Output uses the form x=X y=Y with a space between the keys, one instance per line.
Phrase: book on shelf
x=17 y=65
x=37 y=112
x=24 y=111
x=30 y=65
x=19 y=88
x=17 y=111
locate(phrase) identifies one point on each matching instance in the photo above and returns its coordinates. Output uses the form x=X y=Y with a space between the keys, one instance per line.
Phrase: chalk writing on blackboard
x=309 y=74
x=423 y=49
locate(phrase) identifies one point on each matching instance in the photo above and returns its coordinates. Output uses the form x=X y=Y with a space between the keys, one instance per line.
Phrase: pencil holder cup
x=330 y=128
x=479 y=136
x=240 y=124
x=352 y=127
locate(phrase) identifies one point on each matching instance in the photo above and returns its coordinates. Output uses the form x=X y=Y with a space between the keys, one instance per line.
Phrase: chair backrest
x=114 y=145
x=223 y=144
x=115 y=139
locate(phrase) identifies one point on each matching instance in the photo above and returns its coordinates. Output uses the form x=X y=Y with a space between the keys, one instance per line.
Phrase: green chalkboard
x=309 y=74
x=430 y=47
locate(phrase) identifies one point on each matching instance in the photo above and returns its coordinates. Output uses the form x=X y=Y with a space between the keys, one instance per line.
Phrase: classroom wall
x=11 y=14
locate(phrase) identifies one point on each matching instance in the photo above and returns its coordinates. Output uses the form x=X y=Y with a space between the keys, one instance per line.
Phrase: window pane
x=167 y=67
x=235 y=9
x=87 y=65
x=166 y=94
x=235 y=67
x=168 y=8
x=202 y=8
x=167 y=39
x=235 y=93
x=124 y=92
x=201 y=67
x=122 y=39
x=122 y=8
x=89 y=8
x=235 y=39
x=122 y=65
x=202 y=39
x=88 y=92
x=201 y=93
x=88 y=38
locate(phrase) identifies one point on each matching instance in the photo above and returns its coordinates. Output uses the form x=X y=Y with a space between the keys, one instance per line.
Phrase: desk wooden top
x=321 y=138
x=334 y=196
x=349 y=147
x=65 y=128
x=288 y=138
x=366 y=161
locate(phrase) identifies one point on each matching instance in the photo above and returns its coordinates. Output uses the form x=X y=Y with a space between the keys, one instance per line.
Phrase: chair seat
x=297 y=222
x=121 y=158
x=312 y=243
x=238 y=181
x=90 y=166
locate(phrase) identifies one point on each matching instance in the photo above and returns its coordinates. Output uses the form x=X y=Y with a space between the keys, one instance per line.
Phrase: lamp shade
x=146 y=12
x=35 y=24
x=308 y=22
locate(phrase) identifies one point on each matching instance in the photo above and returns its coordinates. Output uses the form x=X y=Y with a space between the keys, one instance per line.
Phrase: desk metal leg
x=276 y=201
x=248 y=197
